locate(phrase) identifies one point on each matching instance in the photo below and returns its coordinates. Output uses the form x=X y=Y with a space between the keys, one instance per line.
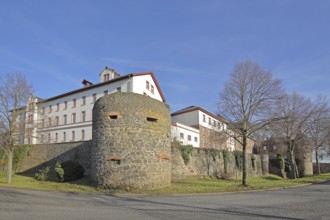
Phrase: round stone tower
x=131 y=142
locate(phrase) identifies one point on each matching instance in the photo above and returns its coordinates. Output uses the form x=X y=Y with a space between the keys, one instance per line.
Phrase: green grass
x=178 y=186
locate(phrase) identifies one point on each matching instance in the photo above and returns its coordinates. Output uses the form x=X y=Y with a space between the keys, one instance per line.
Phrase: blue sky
x=190 y=45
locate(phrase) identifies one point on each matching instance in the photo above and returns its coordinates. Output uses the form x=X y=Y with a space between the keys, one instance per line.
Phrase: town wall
x=131 y=148
x=41 y=155
x=216 y=163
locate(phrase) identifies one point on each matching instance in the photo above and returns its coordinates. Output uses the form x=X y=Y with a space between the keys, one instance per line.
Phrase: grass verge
x=178 y=186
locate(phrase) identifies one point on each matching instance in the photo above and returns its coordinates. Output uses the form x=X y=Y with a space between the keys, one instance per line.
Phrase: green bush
x=253 y=158
x=225 y=155
x=239 y=159
x=186 y=151
x=20 y=153
x=42 y=175
x=59 y=171
x=69 y=171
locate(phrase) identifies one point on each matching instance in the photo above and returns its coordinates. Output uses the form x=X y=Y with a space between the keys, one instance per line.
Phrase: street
x=307 y=202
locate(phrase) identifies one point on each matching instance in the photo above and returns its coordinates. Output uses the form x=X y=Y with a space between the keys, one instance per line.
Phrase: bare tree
x=297 y=112
x=14 y=91
x=246 y=102
x=319 y=129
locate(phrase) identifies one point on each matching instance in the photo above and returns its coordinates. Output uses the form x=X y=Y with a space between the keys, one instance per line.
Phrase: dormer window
x=108 y=74
x=106 y=77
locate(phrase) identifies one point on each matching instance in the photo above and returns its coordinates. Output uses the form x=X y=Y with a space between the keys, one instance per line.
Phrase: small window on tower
x=152 y=119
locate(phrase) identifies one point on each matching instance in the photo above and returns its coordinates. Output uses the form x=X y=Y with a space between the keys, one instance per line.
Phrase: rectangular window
x=50 y=109
x=181 y=136
x=214 y=123
x=65 y=105
x=42 y=123
x=83 y=100
x=152 y=89
x=83 y=135
x=56 y=120
x=73 y=136
x=74 y=102
x=56 y=137
x=210 y=121
x=43 y=110
x=30 y=106
x=204 y=120
x=189 y=137
x=94 y=98
x=65 y=119
x=48 y=137
x=49 y=122
x=118 y=89
x=83 y=116
x=64 y=136
x=73 y=119
x=195 y=139
x=30 y=119
x=57 y=107
x=106 y=77
x=147 y=85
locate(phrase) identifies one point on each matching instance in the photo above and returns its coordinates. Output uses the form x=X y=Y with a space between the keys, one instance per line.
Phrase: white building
x=68 y=117
x=185 y=134
x=211 y=127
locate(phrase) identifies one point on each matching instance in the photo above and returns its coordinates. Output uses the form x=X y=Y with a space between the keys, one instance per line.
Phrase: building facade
x=212 y=129
x=187 y=135
x=68 y=117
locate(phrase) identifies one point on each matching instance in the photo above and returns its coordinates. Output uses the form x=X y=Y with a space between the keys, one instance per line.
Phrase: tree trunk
x=244 y=179
x=10 y=166
x=294 y=171
x=318 y=169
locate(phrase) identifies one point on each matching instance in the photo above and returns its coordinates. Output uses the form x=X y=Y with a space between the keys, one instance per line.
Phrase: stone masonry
x=131 y=142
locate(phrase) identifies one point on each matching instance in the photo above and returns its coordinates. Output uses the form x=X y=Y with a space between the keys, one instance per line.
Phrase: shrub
x=225 y=155
x=42 y=175
x=186 y=151
x=253 y=158
x=59 y=171
x=69 y=171
x=20 y=152
x=239 y=159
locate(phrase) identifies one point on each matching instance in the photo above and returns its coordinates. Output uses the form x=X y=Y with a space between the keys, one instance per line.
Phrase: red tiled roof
x=105 y=83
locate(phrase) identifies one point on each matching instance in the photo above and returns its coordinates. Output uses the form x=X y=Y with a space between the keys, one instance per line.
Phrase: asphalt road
x=308 y=202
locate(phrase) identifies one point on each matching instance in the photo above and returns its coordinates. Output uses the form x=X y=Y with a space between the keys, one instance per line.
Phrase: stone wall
x=131 y=142
x=211 y=162
x=324 y=167
x=42 y=155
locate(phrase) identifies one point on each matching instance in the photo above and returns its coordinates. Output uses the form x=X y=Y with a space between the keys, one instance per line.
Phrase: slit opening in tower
x=150 y=119
x=113 y=116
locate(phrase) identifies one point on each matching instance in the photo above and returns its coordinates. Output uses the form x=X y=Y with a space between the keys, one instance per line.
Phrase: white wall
x=215 y=123
x=189 y=118
x=139 y=87
x=186 y=131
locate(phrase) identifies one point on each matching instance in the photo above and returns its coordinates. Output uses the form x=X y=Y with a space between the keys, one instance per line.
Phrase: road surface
x=308 y=202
